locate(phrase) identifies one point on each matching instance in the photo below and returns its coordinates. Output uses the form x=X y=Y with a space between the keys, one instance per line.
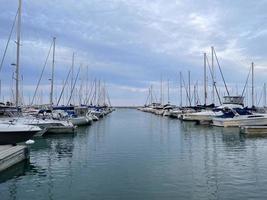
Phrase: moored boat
x=13 y=133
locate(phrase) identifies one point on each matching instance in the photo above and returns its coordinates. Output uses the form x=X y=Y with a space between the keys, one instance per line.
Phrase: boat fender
x=30 y=142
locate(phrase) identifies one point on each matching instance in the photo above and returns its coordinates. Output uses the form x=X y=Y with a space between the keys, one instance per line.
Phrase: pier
x=11 y=155
x=254 y=130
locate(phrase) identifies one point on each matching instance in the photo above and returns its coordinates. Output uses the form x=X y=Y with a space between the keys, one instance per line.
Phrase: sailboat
x=50 y=121
x=10 y=132
x=237 y=118
x=208 y=112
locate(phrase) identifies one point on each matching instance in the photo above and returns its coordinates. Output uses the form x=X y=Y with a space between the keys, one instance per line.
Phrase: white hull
x=80 y=121
x=52 y=126
x=167 y=113
x=247 y=120
x=201 y=116
x=12 y=133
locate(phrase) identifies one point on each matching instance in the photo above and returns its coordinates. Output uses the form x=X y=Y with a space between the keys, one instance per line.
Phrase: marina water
x=136 y=155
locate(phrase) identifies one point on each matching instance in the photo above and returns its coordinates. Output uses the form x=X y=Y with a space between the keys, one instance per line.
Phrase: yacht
x=13 y=133
x=167 y=109
x=240 y=117
x=207 y=113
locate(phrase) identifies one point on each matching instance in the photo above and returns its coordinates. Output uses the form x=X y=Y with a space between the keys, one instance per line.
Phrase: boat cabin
x=239 y=100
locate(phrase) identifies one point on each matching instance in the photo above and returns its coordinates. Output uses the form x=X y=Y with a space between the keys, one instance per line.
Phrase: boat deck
x=11 y=155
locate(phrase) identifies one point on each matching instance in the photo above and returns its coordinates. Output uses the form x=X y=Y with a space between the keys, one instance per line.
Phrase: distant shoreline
x=132 y=107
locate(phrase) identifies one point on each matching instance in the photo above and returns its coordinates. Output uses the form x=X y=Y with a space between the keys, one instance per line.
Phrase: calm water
x=136 y=155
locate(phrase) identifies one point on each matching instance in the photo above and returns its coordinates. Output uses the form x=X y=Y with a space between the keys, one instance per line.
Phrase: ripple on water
x=135 y=155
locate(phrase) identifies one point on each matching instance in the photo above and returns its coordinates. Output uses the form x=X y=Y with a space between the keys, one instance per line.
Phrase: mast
x=151 y=97
x=99 y=93
x=205 y=79
x=72 y=72
x=252 y=80
x=181 y=90
x=189 y=88
x=104 y=93
x=87 y=83
x=95 y=92
x=264 y=93
x=168 y=91
x=18 y=54
x=213 y=74
x=53 y=71
x=161 y=91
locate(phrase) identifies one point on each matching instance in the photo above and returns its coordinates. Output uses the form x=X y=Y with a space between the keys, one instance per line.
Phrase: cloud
x=130 y=43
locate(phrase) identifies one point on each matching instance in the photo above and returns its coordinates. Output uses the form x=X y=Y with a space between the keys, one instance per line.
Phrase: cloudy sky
x=131 y=44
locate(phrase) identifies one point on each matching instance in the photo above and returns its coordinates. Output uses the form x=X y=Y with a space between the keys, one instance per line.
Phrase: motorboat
x=235 y=118
x=76 y=115
x=167 y=110
x=13 y=133
x=207 y=113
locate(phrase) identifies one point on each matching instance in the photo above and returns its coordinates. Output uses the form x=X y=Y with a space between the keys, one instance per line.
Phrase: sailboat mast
x=161 y=91
x=72 y=69
x=53 y=71
x=205 y=79
x=87 y=84
x=189 y=87
x=18 y=54
x=264 y=93
x=151 y=97
x=72 y=72
x=181 y=90
x=168 y=91
x=252 y=80
x=213 y=74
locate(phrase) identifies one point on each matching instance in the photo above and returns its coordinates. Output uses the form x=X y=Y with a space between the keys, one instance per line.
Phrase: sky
x=133 y=44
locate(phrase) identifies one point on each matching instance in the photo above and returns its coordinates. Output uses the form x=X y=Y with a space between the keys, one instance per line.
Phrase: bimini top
x=234 y=100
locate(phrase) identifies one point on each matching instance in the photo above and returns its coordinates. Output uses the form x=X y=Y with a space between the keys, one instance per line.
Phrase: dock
x=254 y=130
x=11 y=155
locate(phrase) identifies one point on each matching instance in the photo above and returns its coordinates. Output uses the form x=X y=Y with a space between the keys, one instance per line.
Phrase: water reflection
x=15 y=171
x=23 y=168
x=61 y=145
x=135 y=155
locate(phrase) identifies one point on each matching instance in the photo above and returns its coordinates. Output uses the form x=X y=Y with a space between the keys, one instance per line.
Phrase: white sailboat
x=10 y=132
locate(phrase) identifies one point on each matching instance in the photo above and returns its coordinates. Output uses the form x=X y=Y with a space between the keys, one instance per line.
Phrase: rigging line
x=214 y=83
x=154 y=97
x=259 y=99
x=108 y=99
x=93 y=98
x=221 y=72
x=42 y=72
x=65 y=83
x=90 y=94
x=196 y=93
x=246 y=81
x=72 y=89
x=186 y=91
x=9 y=38
x=147 y=96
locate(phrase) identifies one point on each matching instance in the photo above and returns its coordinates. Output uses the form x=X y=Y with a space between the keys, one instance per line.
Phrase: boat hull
x=59 y=130
x=232 y=122
x=80 y=121
x=200 y=116
x=16 y=137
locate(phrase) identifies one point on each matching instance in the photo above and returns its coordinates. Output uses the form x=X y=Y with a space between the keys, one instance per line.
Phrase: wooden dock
x=11 y=155
x=254 y=130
